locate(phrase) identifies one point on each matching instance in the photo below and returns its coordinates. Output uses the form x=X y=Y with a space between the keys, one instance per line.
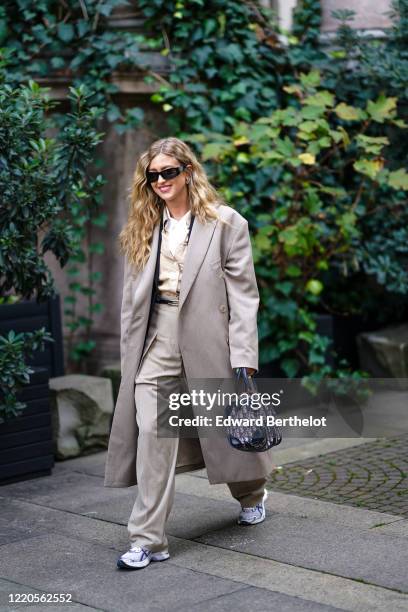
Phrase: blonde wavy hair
x=146 y=206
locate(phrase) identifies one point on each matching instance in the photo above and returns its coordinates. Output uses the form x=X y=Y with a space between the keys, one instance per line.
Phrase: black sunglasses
x=168 y=173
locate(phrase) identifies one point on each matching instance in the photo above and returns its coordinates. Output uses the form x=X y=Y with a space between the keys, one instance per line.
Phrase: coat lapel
x=197 y=247
x=143 y=282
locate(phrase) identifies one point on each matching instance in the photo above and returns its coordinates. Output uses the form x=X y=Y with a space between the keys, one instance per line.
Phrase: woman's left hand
x=250 y=371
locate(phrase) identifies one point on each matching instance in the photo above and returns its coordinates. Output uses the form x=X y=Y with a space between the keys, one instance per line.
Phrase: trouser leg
x=156 y=456
x=155 y=469
x=248 y=492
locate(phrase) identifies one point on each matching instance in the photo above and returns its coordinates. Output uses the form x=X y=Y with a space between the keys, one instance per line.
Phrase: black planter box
x=26 y=442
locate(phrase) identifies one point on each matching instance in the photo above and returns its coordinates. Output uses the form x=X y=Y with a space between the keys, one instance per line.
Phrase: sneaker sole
x=260 y=520
x=142 y=564
x=257 y=521
x=160 y=557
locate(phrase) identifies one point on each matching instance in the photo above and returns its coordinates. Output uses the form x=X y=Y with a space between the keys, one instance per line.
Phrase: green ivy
x=80 y=193
x=313 y=226
x=225 y=72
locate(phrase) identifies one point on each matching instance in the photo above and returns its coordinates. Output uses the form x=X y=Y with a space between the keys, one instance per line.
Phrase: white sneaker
x=139 y=556
x=252 y=516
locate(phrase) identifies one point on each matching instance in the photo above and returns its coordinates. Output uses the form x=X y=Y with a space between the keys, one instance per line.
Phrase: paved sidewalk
x=63 y=533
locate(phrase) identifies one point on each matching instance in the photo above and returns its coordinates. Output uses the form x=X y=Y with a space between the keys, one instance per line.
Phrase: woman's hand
x=250 y=371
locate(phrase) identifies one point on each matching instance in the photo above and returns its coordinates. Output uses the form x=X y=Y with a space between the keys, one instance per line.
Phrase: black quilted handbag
x=253 y=438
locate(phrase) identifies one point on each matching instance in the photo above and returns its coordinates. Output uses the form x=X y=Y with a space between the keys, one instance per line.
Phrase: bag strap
x=250 y=386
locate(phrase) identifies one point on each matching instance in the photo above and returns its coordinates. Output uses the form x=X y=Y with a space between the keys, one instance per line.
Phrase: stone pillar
x=369 y=15
x=119 y=153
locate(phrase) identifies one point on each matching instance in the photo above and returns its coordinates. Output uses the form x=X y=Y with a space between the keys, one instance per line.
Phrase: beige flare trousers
x=156 y=456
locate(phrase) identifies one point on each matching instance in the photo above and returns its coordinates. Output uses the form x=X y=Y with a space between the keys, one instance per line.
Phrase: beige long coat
x=217 y=329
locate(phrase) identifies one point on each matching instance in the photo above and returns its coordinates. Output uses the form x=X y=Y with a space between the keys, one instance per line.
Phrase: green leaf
x=307 y=336
x=383 y=108
x=262 y=242
x=98 y=307
x=97 y=247
x=284 y=287
x=372 y=144
x=311 y=79
x=369 y=167
x=293 y=271
x=213 y=150
x=398 y=179
x=307 y=159
x=290 y=366
x=314 y=286
x=65 y=32
x=349 y=113
x=308 y=126
x=292 y=89
x=100 y=221
x=321 y=98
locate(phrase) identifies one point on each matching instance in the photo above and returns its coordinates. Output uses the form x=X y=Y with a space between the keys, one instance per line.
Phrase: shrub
x=327 y=213
x=40 y=178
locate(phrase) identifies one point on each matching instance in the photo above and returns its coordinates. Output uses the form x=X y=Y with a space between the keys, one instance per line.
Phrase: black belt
x=163 y=300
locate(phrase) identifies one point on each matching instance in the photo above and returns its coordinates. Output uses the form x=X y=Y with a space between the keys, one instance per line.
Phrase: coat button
x=223 y=308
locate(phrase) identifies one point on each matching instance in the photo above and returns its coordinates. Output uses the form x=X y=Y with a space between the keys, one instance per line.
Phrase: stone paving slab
x=68 y=491
x=298 y=449
x=84 y=494
x=88 y=572
x=399 y=528
x=323 y=546
x=11 y=533
x=372 y=476
x=307 y=584
x=293 y=449
x=259 y=599
x=8 y=588
x=191 y=516
x=291 y=504
x=94 y=464
x=41 y=520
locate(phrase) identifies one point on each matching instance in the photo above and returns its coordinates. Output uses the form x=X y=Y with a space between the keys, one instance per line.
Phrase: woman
x=189 y=313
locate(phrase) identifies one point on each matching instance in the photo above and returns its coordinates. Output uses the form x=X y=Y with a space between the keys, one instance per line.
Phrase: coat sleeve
x=243 y=300
x=126 y=311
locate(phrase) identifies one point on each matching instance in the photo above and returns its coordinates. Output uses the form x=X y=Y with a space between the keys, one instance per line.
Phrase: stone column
x=370 y=14
x=119 y=153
